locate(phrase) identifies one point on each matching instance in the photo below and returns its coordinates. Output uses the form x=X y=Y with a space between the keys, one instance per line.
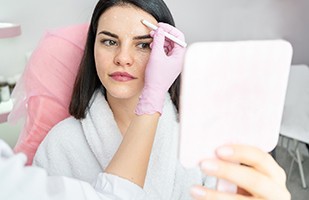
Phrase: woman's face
x=122 y=50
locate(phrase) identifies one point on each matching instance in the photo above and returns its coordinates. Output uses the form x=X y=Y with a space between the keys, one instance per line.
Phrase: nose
x=124 y=57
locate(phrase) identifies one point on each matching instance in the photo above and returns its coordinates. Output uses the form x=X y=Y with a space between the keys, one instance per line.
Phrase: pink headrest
x=43 y=93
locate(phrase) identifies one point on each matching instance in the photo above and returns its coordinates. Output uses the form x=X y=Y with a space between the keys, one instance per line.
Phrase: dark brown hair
x=87 y=80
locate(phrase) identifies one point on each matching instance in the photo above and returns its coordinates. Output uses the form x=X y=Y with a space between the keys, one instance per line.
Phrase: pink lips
x=122 y=76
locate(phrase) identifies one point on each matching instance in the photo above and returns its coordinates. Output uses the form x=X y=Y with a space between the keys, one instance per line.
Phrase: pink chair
x=42 y=95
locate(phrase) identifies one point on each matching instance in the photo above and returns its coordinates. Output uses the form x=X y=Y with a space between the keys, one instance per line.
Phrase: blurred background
x=35 y=18
x=200 y=20
x=207 y=20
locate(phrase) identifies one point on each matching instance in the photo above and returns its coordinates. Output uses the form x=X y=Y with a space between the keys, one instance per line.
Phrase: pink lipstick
x=122 y=76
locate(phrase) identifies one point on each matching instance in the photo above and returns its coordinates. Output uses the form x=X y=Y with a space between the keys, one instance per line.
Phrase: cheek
x=142 y=61
x=102 y=69
x=101 y=60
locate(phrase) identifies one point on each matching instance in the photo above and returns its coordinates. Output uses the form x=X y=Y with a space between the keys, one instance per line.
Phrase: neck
x=123 y=110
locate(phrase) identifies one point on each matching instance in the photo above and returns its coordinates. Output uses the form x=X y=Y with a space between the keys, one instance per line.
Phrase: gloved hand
x=164 y=65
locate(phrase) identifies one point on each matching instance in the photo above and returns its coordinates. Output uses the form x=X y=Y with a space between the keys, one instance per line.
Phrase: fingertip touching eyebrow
x=140 y=37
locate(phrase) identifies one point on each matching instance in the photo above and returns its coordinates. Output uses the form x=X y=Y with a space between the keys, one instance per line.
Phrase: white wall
x=35 y=16
x=199 y=19
x=10 y=132
x=206 y=20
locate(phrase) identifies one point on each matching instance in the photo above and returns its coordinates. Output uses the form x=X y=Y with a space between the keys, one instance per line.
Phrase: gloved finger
x=152 y=33
x=176 y=49
x=172 y=30
x=157 y=44
x=168 y=46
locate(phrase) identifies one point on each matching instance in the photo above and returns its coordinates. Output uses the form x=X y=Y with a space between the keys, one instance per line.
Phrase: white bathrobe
x=83 y=148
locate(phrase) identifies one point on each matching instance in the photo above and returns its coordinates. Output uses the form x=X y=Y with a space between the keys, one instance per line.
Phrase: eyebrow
x=109 y=34
x=140 y=37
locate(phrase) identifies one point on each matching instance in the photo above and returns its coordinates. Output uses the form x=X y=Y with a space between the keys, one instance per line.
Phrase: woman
x=124 y=115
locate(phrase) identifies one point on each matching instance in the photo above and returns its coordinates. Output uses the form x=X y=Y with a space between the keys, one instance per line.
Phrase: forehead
x=125 y=18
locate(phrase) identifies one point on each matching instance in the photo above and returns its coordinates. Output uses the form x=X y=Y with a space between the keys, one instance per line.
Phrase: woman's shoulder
x=62 y=136
x=65 y=150
x=65 y=128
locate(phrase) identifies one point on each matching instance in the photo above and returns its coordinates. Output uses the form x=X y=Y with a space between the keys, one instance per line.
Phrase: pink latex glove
x=164 y=65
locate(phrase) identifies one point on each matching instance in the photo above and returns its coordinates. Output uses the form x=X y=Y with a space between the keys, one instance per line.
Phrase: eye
x=108 y=42
x=144 y=45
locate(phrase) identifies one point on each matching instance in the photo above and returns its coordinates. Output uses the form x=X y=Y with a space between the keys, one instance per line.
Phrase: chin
x=124 y=93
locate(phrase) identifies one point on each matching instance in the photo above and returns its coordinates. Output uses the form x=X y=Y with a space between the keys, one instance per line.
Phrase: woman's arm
x=131 y=159
x=258 y=177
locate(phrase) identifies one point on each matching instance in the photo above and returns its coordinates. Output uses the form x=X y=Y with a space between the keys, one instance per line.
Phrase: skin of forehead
x=128 y=15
